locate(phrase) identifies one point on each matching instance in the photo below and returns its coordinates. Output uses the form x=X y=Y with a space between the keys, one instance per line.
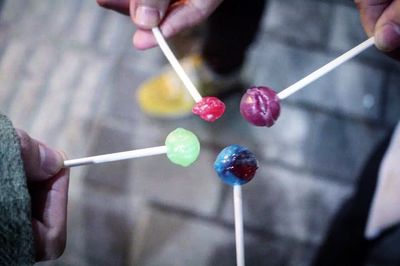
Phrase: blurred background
x=68 y=75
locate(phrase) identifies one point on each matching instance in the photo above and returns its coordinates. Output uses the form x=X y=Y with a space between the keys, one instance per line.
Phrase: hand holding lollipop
x=261 y=105
x=382 y=20
x=48 y=189
x=171 y=18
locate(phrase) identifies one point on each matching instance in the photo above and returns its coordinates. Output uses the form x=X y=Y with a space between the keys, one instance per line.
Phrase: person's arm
x=171 y=16
x=48 y=188
x=33 y=198
x=17 y=246
x=381 y=18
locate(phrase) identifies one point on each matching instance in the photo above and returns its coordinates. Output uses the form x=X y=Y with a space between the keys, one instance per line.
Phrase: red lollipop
x=209 y=108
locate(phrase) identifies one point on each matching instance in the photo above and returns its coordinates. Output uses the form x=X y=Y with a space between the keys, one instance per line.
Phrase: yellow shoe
x=165 y=96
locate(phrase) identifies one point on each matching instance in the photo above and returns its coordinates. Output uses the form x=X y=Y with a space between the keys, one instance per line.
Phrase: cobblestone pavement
x=68 y=74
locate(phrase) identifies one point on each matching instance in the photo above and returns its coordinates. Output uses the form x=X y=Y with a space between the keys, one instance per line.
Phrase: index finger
x=370 y=11
x=121 y=6
x=180 y=16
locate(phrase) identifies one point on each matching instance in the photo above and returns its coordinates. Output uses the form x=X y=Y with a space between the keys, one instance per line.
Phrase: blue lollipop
x=236 y=165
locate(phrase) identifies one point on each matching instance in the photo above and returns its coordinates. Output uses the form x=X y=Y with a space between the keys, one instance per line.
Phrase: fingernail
x=148 y=17
x=50 y=160
x=388 y=37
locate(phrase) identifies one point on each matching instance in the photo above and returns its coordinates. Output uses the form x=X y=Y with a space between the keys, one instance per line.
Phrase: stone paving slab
x=311 y=141
x=275 y=198
x=308 y=27
x=172 y=239
x=122 y=104
x=196 y=188
x=109 y=228
x=113 y=177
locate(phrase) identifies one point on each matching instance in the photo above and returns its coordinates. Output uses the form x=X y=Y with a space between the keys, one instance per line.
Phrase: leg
x=345 y=243
x=230 y=30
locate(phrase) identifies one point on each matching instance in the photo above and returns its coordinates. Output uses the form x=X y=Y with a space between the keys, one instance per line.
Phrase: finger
x=147 y=14
x=121 y=6
x=49 y=212
x=144 y=39
x=387 y=29
x=178 y=18
x=370 y=11
x=40 y=162
x=181 y=15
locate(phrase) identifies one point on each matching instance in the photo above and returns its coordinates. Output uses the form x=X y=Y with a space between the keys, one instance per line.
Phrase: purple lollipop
x=260 y=106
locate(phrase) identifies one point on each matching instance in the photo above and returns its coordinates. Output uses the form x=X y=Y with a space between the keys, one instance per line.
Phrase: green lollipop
x=183 y=147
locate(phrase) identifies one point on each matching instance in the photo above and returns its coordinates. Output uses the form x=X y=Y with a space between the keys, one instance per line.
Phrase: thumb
x=387 y=29
x=147 y=14
x=40 y=162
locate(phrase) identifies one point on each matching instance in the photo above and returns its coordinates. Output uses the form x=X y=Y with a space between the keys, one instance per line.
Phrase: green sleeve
x=16 y=239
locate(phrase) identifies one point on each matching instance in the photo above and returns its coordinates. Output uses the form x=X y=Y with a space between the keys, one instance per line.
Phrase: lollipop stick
x=325 y=69
x=237 y=202
x=176 y=65
x=112 y=157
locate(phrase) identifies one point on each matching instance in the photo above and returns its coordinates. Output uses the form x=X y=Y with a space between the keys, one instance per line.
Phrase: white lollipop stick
x=238 y=210
x=112 y=157
x=325 y=69
x=176 y=65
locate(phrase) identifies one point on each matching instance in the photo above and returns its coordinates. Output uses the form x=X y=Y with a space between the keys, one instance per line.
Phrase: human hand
x=48 y=187
x=171 y=16
x=381 y=18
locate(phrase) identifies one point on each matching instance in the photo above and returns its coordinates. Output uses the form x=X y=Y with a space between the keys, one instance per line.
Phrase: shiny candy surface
x=236 y=165
x=260 y=106
x=209 y=109
x=183 y=147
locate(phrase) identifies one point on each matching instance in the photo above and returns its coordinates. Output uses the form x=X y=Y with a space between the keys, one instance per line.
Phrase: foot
x=165 y=96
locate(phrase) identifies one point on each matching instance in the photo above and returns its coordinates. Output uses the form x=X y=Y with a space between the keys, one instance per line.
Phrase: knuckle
x=360 y=4
x=24 y=139
x=103 y=3
x=56 y=242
